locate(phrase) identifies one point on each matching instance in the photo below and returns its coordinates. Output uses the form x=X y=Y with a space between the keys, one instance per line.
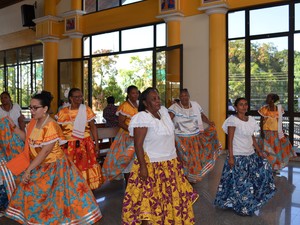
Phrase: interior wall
x=195 y=40
x=12 y=28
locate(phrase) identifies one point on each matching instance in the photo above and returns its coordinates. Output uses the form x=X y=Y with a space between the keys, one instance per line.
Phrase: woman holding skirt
x=247 y=182
x=52 y=190
x=273 y=141
x=198 y=148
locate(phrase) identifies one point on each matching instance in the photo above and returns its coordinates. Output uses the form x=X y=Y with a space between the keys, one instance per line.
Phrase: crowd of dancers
x=49 y=168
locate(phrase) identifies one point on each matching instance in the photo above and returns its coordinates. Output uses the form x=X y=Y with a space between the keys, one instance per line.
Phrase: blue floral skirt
x=247 y=186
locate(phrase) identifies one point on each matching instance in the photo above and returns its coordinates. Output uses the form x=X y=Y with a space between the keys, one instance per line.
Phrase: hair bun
x=47 y=95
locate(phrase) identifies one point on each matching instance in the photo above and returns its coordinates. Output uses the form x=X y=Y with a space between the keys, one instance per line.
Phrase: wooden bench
x=106 y=136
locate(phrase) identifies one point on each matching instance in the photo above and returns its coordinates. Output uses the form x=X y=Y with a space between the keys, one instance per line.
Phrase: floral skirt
x=119 y=156
x=10 y=146
x=279 y=151
x=166 y=197
x=247 y=186
x=84 y=157
x=198 y=153
x=56 y=194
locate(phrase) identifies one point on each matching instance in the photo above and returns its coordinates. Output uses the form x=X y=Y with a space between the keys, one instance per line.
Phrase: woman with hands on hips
x=246 y=182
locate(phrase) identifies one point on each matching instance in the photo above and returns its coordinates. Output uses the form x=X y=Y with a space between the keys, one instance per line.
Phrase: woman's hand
x=231 y=162
x=143 y=172
x=26 y=177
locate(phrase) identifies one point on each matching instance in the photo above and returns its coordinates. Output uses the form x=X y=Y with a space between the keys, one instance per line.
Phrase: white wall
x=195 y=40
x=11 y=18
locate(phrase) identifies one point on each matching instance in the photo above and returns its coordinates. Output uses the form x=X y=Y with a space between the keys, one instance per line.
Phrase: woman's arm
x=95 y=135
x=261 y=124
x=230 y=137
x=21 y=121
x=46 y=149
x=121 y=119
x=139 y=137
x=172 y=115
x=206 y=120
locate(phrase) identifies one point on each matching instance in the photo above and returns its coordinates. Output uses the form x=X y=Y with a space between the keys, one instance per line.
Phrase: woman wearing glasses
x=51 y=191
x=77 y=122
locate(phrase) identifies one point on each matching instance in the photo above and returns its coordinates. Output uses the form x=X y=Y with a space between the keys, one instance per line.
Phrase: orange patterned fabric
x=83 y=153
x=270 y=121
x=56 y=193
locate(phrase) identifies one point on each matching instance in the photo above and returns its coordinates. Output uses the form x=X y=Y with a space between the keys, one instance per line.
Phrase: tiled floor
x=283 y=209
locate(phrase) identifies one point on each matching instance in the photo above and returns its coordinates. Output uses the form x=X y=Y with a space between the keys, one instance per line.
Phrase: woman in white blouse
x=12 y=110
x=157 y=191
x=198 y=148
x=247 y=182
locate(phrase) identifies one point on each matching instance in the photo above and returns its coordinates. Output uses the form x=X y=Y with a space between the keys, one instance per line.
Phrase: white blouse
x=244 y=130
x=14 y=113
x=186 y=120
x=159 y=143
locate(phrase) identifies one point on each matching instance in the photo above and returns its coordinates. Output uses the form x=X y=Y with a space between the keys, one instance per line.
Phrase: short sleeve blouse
x=244 y=130
x=14 y=113
x=185 y=120
x=159 y=143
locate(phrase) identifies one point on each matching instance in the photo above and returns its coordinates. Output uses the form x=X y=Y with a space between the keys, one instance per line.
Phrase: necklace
x=131 y=103
x=158 y=113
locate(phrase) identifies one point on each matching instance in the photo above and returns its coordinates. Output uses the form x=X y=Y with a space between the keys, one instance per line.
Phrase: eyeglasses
x=34 y=108
x=79 y=96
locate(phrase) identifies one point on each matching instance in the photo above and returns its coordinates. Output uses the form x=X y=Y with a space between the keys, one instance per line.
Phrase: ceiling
x=5 y=3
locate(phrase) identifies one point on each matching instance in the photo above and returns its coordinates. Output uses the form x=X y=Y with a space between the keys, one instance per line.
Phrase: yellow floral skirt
x=166 y=197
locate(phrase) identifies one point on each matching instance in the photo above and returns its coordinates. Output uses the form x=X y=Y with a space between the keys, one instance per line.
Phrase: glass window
x=86 y=46
x=236 y=69
x=236 y=24
x=297 y=73
x=106 y=4
x=297 y=16
x=2 y=58
x=269 y=20
x=104 y=43
x=24 y=74
x=90 y=6
x=24 y=54
x=126 y=2
x=37 y=53
x=161 y=34
x=269 y=71
x=137 y=38
x=98 y=5
x=11 y=57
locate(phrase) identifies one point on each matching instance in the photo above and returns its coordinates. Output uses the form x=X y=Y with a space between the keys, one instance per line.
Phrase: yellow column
x=50 y=7
x=217 y=68
x=50 y=70
x=76 y=37
x=173 y=32
x=76 y=4
x=77 y=66
x=173 y=22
